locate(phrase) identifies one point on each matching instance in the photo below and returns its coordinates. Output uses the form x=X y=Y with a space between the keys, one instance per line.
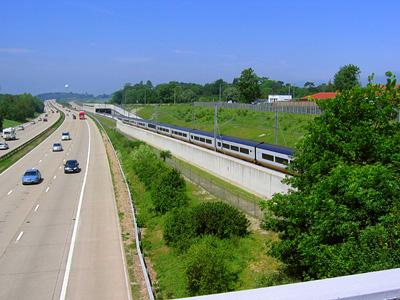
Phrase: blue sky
x=97 y=46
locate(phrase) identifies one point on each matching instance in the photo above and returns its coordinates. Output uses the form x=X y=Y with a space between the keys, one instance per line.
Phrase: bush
x=179 y=229
x=219 y=219
x=207 y=267
x=169 y=191
x=146 y=165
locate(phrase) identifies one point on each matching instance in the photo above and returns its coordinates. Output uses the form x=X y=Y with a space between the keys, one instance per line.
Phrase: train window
x=203 y=140
x=244 y=150
x=225 y=146
x=235 y=148
x=219 y=144
x=184 y=134
x=208 y=142
x=196 y=138
x=280 y=160
x=151 y=126
x=267 y=157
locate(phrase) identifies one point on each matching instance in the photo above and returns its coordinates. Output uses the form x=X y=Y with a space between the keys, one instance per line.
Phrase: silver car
x=3 y=146
x=57 y=147
x=65 y=136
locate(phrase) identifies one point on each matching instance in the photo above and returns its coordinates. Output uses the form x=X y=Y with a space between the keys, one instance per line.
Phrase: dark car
x=74 y=116
x=71 y=166
x=31 y=176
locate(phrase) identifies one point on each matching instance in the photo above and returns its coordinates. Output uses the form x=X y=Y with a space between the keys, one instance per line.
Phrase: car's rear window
x=30 y=173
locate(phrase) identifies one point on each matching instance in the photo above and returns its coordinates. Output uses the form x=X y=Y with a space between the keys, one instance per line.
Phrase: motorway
x=61 y=239
x=31 y=130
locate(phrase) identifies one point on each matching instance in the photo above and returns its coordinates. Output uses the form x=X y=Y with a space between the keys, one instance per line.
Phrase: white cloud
x=14 y=50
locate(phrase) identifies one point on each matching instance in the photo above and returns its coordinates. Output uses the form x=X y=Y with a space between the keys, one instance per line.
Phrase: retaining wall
x=258 y=180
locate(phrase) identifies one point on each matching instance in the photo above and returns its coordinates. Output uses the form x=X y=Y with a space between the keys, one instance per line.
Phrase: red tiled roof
x=320 y=96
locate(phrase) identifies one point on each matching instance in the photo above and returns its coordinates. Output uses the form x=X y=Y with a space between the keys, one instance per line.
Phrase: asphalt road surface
x=60 y=239
x=31 y=130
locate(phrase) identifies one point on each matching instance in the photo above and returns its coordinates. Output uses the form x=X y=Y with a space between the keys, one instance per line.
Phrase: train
x=268 y=155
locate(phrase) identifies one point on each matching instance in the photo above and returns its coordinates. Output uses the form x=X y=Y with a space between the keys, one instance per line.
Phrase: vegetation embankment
x=342 y=216
x=243 y=123
x=15 y=155
x=19 y=108
x=196 y=243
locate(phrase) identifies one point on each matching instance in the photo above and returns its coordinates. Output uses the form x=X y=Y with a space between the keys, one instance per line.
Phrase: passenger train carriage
x=268 y=155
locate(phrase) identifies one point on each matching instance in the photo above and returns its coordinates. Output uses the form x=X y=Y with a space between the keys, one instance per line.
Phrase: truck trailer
x=9 y=133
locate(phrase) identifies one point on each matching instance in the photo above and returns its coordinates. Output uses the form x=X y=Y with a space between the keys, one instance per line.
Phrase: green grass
x=249 y=124
x=10 y=123
x=16 y=154
x=259 y=269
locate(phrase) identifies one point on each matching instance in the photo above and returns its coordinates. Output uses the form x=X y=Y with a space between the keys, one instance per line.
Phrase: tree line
x=19 y=107
x=246 y=88
x=341 y=215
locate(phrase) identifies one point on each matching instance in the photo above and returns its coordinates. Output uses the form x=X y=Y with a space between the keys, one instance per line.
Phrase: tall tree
x=347 y=77
x=249 y=85
x=341 y=215
x=231 y=93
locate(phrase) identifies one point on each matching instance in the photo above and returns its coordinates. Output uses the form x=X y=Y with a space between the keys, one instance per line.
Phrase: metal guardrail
x=20 y=147
x=137 y=230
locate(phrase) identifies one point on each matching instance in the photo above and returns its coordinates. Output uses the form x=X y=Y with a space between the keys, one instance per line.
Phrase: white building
x=275 y=98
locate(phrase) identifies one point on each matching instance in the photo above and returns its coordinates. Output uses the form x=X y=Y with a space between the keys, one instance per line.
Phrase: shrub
x=219 y=219
x=146 y=165
x=207 y=268
x=169 y=191
x=179 y=229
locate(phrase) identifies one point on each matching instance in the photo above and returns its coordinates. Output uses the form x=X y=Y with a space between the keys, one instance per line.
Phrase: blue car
x=31 y=176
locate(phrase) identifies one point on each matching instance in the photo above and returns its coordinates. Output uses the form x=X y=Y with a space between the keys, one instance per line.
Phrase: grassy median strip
x=9 y=159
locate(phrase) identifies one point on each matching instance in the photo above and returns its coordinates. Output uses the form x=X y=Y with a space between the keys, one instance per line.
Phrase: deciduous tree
x=249 y=85
x=342 y=214
x=347 y=77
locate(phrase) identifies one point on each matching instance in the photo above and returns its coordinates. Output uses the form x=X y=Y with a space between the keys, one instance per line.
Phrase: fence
x=294 y=109
x=244 y=202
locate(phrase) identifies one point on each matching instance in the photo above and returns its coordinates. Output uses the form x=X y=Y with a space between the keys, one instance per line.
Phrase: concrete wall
x=255 y=179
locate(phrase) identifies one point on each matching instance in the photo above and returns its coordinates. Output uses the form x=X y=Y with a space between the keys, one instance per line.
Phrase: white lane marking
x=45 y=154
x=74 y=233
x=47 y=189
x=55 y=175
x=40 y=161
x=9 y=192
x=19 y=236
x=37 y=207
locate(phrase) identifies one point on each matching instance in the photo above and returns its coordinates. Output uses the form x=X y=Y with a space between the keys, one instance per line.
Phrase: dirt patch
x=138 y=283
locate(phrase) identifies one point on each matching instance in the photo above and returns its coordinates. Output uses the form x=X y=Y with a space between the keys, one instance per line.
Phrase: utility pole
x=276 y=127
x=215 y=127
x=194 y=115
x=156 y=116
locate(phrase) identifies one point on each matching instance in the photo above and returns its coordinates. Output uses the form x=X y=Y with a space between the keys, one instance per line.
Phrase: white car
x=65 y=136
x=3 y=146
x=57 y=147
x=20 y=127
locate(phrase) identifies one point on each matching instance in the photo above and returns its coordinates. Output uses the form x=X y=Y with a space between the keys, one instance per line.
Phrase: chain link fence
x=242 y=201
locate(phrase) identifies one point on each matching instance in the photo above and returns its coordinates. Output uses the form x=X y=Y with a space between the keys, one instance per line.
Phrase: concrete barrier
x=253 y=178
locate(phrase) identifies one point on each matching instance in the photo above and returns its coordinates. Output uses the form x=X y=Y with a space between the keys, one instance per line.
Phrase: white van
x=9 y=134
